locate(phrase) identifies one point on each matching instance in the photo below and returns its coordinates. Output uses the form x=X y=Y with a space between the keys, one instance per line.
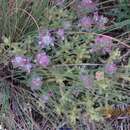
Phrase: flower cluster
x=45 y=39
x=100 y=20
x=102 y=44
x=110 y=68
x=22 y=62
x=92 y=18
x=86 y=22
x=97 y=21
x=45 y=97
x=72 y=75
x=42 y=59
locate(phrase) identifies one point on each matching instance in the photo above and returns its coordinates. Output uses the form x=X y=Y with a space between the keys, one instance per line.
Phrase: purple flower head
x=45 y=39
x=103 y=20
x=100 y=20
x=42 y=59
x=36 y=82
x=102 y=44
x=87 y=81
x=27 y=67
x=86 y=22
x=18 y=61
x=103 y=39
x=50 y=93
x=44 y=98
x=110 y=68
x=89 y=4
x=60 y=32
x=22 y=62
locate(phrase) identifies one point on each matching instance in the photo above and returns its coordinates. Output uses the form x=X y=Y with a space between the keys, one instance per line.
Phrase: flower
x=103 y=40
x=19 y=61
x=50 y=93
x=102 y=44
x=45 y=39
x=99 y=75
x=22 y=62
x=87 y=80
x=44 y=98
x=86 y=22
x=42 y=59
x=89 y=4
x=36 y=82
x=27 y=67
x=60 y=32
x=110 y=68
x=100 y=20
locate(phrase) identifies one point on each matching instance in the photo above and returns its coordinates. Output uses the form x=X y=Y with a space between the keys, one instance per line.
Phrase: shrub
x=57 y=69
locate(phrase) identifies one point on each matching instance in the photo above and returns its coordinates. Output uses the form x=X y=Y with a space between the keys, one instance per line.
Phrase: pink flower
x=100 y=20
x=45 y=39
x=36 y=82
x=50 y=93
x=102 y=44
x=27 y=67
x=86 y=22
x=103 y=39
x=99 y=75
x=22 y=62
x=18 y=61
x=42 y=59
x=110 y=68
